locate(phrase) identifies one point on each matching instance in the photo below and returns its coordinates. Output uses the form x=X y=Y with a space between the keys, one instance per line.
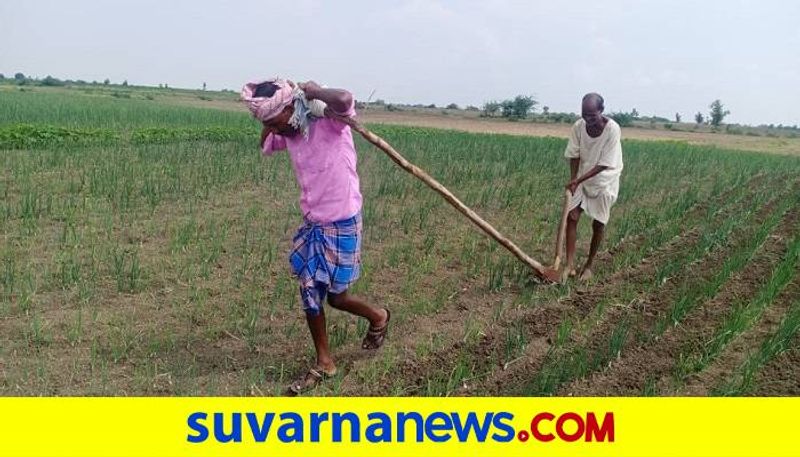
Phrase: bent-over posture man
x=326 y=254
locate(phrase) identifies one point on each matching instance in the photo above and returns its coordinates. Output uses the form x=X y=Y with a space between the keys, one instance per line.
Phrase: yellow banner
x=386 y=427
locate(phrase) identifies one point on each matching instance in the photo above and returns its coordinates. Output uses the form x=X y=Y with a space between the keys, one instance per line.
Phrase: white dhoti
x=597 y=207
x=597 y=194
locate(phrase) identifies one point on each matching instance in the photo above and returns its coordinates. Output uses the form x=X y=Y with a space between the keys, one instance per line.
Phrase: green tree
x=519 y=107
x=125 y=83
x=698 y=118
x=452 y=106
x=634 y=113
x=2 y=77
x=19 y=77
x=507 y=108
x=718 y=113
x=106 y=82
x=677 y=118
x=545 y=110
x=490 y=109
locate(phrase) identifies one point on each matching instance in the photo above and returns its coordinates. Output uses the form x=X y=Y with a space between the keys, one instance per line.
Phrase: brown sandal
x=376 y=335
x=310 y=380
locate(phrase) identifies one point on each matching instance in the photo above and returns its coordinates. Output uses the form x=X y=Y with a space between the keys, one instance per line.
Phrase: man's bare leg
x=572 y=235
x=354 y=305
x=324 y=366
x=378 y=317
x=598 y=229
x=319 y=333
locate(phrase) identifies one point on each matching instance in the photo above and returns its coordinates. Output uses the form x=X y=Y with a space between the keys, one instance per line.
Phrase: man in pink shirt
x=326 y=254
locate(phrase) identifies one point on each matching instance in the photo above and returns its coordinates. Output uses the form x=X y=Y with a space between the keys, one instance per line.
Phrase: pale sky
x=660 y=57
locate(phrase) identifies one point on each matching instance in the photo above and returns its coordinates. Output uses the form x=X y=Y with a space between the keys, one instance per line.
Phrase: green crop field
x=144 y=247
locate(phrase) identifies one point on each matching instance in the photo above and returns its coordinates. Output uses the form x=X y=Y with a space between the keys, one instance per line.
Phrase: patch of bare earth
x=655 y=362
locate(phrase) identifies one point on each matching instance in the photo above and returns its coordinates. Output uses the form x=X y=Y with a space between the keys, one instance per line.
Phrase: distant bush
x=733 y=130
x=563 y=118
x=50 y=81
x=452 y=106
x=668 y=126
x=623 y=119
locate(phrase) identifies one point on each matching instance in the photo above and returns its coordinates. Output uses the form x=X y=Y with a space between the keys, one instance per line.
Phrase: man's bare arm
x=573 y=166
x=573 y=185
x=339 y=100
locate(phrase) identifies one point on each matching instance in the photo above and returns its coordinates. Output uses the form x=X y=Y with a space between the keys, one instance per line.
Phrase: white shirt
x=605 y=150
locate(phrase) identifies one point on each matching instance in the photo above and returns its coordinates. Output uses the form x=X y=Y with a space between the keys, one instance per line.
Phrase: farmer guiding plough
x=594 y=151
x=315 y=123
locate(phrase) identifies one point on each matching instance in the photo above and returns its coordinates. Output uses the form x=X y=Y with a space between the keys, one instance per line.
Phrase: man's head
x=592 y=109
x=280 y=123
x=271 y=102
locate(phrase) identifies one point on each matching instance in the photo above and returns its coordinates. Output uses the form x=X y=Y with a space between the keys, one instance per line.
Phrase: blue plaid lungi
x=326 y=258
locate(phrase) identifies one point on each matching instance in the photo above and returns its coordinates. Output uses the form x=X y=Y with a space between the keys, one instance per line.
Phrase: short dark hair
x=265 y=89
x=596 y=98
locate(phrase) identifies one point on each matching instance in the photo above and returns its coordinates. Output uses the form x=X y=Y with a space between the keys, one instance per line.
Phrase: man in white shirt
x=595 y=158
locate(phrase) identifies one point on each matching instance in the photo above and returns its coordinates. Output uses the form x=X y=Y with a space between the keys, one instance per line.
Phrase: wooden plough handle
x=562 y=228
x=540 y=270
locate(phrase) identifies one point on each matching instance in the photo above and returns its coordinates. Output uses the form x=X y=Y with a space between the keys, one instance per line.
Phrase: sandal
x=376 y=335
x=310 y=380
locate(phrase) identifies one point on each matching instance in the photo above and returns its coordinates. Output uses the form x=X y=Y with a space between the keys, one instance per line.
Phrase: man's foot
x=376 y=334
x=586 y=275
x=312 y=379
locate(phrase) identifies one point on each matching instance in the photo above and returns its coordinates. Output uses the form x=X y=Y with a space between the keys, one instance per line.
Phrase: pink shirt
x=325 y=168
